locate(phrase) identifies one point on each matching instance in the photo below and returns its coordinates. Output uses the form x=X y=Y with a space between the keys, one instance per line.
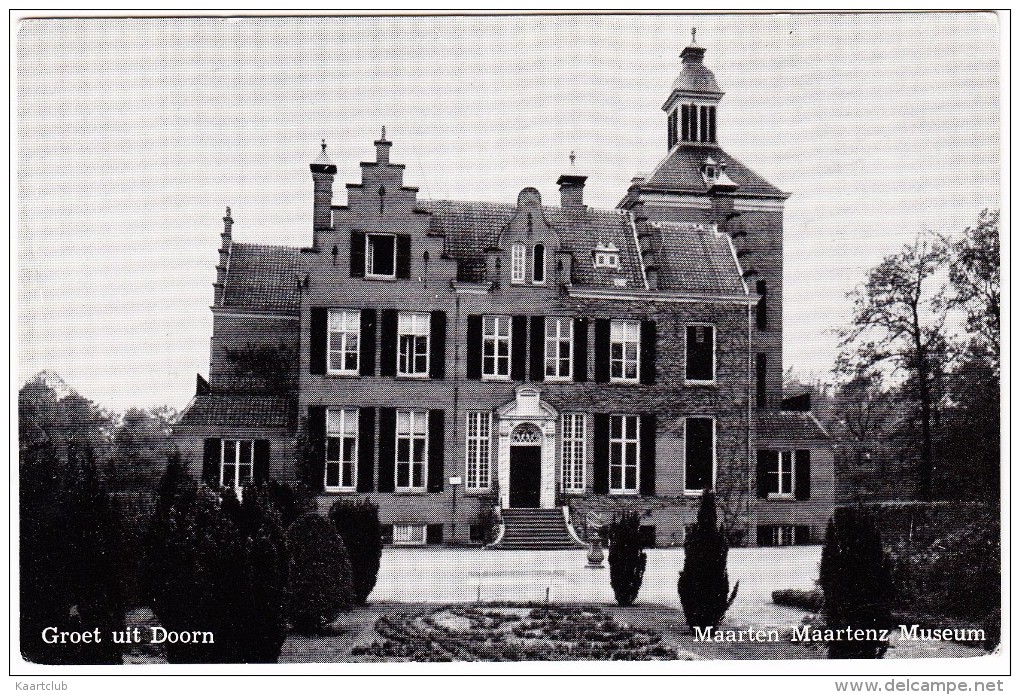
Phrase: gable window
x=496 y=347
x=341 y=448
x=623 y=454
x=478 y=448
x=412 y=448
x=538 y=271
x=573 y=452
x=559 y=342
x=344 y=339
x=700 y=354
x=624 y=344
x=699 y=454
x=381 y=256
x=413 y=332
x=236 y=463
x=517 y=263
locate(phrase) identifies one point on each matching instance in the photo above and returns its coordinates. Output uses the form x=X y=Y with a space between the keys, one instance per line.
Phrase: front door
x=525 y=475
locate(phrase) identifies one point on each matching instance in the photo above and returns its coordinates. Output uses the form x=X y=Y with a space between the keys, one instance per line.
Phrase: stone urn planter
x=596 y=555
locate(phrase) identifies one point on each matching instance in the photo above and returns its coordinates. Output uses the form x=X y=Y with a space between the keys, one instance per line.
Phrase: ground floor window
x=408 y=534
x=341 y=448
x=412 y=444
x=783 y=534
x=237 y=463
x=478 y=450
x=573 y=452
x=623 y=454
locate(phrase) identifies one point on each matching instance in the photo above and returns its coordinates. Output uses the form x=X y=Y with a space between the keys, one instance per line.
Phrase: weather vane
x=324 y=144
x=694 y=31
x=572 y=157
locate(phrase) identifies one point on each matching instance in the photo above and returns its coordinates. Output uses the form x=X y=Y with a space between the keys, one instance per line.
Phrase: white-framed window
x=478 y=449
x=538 y=265
x=781 y=485
x=623 y=454
x=573 y=459
x=380 y=256
x=699 y=354
x=517 y=263
x=496 y=347
x=237 y=462
x=559 y=347
x=412 y=448
x=784 y=535
x=413 y=337
x=624 y=350
x=408 y=534
x=341 y=448
x=344 y=341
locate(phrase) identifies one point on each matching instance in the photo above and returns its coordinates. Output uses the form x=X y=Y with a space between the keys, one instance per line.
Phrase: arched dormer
x=530 y=241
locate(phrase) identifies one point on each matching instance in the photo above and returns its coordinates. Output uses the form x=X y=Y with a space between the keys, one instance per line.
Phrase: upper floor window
x=624 y=344
x=496 y=347
x=412 y=448
x=413 y=335
x=341 y=448
x=623 y=454
x=700 y=354
x=478 y=448
x=559 y=342
x=517 y=263
x=344 y=339
x=381 y=256
x=538 y=272
x=237 y=463
x=573 y=458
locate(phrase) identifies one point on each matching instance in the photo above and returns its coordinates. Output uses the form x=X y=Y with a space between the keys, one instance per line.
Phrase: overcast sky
x=133 y=135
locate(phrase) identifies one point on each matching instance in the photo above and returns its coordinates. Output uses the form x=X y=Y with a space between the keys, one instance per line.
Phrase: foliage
x=855 y=579
x=627 y=559
x=810 y=600
x=265 y=369
x=704 y=582
x=319 y=586
x=357 y=522
x=975 y=277
x=141 y=445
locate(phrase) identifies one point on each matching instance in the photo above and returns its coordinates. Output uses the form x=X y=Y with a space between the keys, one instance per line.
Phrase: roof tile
x=263 y=278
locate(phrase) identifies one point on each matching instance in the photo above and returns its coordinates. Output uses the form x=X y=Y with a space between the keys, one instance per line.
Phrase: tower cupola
x=691 y=107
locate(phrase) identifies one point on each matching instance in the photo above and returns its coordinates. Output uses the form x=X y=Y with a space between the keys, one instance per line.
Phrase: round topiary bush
x=320 y=585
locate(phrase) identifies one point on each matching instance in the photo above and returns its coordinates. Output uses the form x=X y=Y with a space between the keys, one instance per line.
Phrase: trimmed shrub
x=627 y=558
x=357 y=522
x=704 y=582
x=855 y=579
x=320 y=574
x=808 y=600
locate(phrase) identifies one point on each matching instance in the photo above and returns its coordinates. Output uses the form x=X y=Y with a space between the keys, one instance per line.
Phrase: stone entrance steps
x=536 y=529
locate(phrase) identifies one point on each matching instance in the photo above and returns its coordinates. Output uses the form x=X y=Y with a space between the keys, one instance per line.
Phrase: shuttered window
x=413 y=332
x=344 y=341
x=624 y=349
x=412 y=448
x=559 y=342
x=380 y=256
x=623 y=453
x=341 y=448
x=496 y=347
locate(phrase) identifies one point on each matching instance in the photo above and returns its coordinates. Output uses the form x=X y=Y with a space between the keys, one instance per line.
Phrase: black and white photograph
x=640 y=343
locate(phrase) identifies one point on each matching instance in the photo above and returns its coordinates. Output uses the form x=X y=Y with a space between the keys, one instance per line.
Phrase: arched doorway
x=526 y=466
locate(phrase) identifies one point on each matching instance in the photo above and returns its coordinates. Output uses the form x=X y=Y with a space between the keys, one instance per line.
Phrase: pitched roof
x=262 y=278
x=695 y=260
x=235 y=410
x=472 y=227
x=681 y=171
x=790 y=425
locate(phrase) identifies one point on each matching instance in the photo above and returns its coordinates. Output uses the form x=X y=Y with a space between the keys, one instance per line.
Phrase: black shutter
x=600 y=459
x=317 y=343
x=388 y=343
x=764 y=536
x=698 y=462
x=768 y=461
x=761 y=310
x=761 y=379
x=403 y=256
x=357 y=254
x=518 y=347
x=260 y=471
x=538 y=348
x=434 y=534
x=211 y=462
x=437 y=345
x=366 y=449
x=801 y=535
x=437 y=420
x=386 y=533
x=647 y=461
x=648 y=339
x=473 y=356
x=602 y=351
x=802 y=474
x=580 y=365
x=387 y=449
x=367 y=357
x=316 y=468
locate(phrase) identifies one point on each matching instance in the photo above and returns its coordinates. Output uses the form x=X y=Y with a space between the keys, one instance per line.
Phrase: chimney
x=323 y=172
x=571 y=190
x=382 y=149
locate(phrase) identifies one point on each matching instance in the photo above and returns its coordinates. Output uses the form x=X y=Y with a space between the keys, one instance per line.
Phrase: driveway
x=436 y=575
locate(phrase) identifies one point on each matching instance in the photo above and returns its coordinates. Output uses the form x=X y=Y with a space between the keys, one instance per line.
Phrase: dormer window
x=710 y=170
x=607 y=256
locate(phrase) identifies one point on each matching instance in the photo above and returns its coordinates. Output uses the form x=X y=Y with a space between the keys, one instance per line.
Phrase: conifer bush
x=320 y=585
x=357 y=522
x=704 y=584
x=856 y=581
x=627 y=558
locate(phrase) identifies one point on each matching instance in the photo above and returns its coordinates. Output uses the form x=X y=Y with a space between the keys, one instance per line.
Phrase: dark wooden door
x=525 y=475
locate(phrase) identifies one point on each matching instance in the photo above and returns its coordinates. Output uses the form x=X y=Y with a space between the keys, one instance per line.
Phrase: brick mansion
x=452 y=359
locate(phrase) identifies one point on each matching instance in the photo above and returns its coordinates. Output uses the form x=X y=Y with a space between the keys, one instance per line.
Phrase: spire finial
x=694 y=38
x=228 y=211
x=324 y=144
x=572 y=157
x=383 y=133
